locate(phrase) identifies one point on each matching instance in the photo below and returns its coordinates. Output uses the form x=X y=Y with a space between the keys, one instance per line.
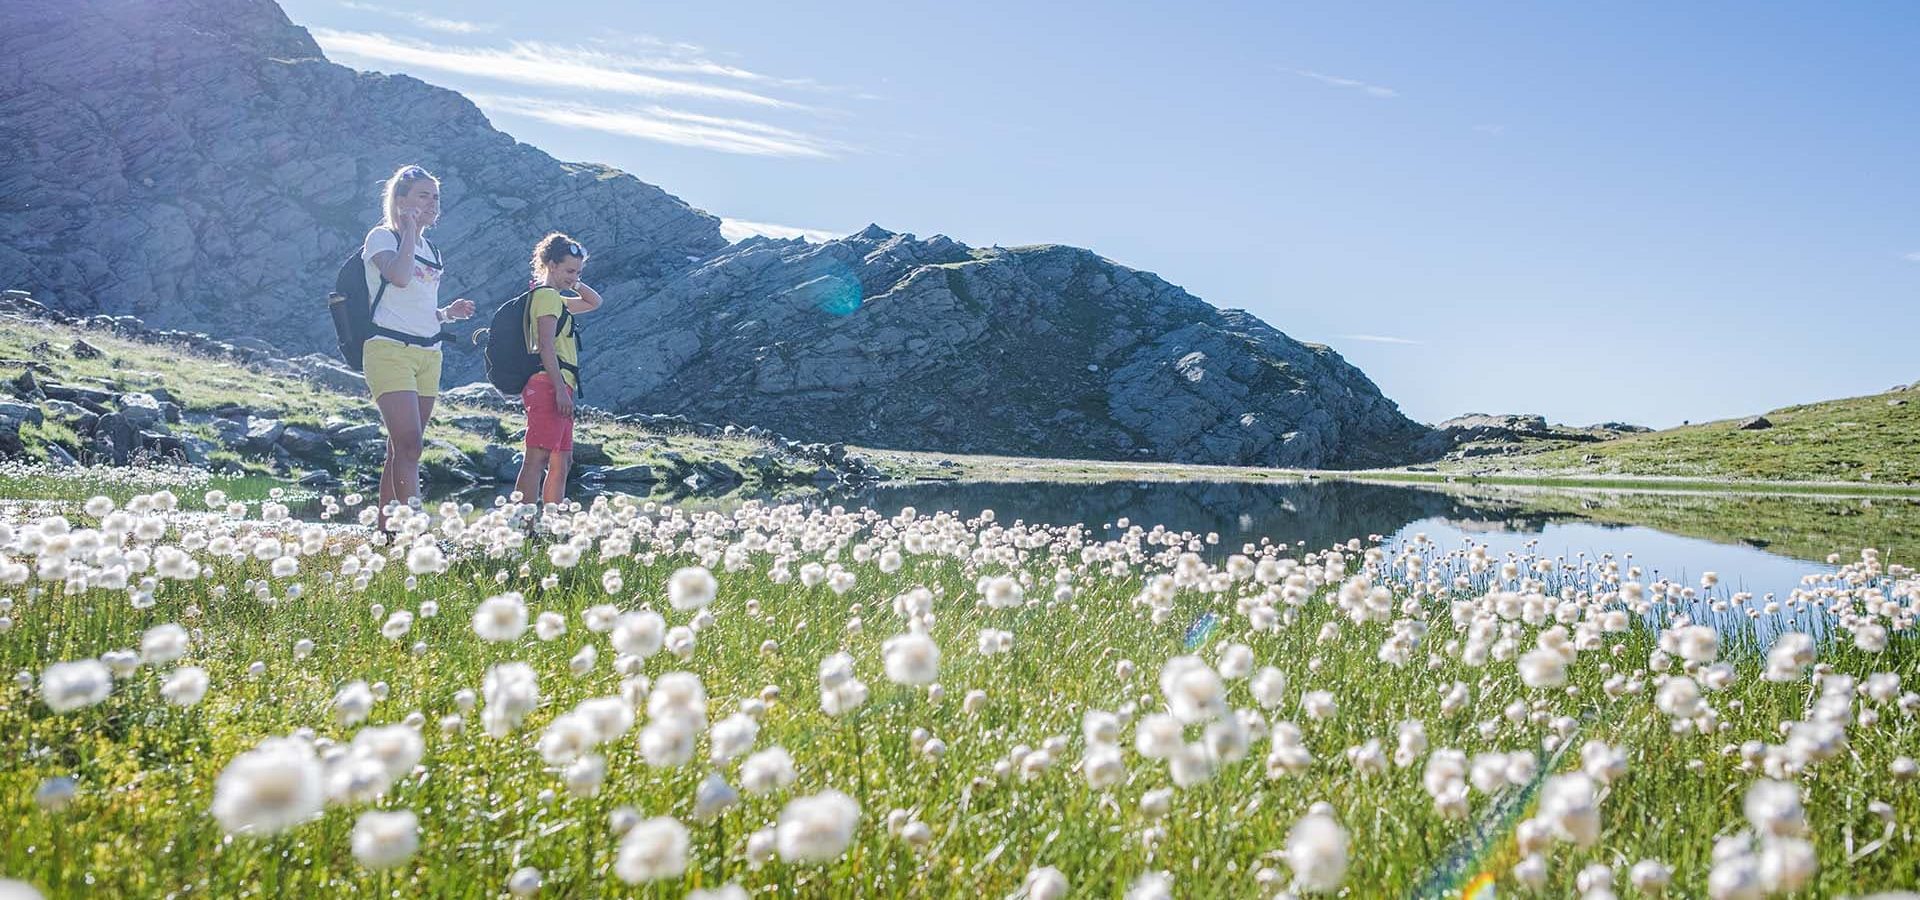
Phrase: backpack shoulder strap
x=373 y=306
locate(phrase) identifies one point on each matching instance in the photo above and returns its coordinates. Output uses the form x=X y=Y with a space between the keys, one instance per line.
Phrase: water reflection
x=1757 y=543
x=1764 y=545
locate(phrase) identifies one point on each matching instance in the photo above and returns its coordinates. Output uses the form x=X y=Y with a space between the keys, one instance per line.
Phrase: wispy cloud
x=430 y=22
x=1371 y=90
x=741 y=229
x=541 y=65
x=1381 y=339
x=669 y=126
x=1911 y=257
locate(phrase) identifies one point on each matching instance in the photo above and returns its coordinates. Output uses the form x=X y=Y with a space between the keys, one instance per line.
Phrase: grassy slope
x=202 y=384
x=1858 y=439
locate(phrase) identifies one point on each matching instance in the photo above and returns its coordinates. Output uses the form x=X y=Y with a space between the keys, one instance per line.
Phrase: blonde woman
x=402 y=358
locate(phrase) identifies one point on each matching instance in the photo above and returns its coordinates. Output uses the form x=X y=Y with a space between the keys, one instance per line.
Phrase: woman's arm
x=588 y=301
x=396 y=266
x=549 y=327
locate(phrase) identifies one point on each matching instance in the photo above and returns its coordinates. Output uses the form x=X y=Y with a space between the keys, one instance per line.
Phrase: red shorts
x=547 y=429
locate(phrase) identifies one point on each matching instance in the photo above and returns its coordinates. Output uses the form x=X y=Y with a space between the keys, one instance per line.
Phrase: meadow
x=212 y=698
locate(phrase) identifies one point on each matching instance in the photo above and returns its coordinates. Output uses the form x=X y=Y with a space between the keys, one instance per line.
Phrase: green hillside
x=1872 y=439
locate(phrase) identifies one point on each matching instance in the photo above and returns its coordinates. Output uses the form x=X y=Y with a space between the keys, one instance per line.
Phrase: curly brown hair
x=554 y=248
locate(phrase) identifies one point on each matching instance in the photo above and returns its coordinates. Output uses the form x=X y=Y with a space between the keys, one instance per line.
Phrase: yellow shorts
x=392 y=366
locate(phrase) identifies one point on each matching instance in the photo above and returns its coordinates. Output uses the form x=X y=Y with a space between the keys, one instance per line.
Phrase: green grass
x=202 y=384
x=146 y=771
x=1798 y=526
x=1859 y=440
x=70 y=486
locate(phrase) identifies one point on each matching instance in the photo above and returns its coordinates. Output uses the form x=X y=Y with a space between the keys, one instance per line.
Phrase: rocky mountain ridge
x=201 y=165
x=891 y=340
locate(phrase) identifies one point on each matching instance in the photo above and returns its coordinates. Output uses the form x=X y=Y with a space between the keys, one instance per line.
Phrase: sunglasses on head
x=411 y=172
x=573 y=249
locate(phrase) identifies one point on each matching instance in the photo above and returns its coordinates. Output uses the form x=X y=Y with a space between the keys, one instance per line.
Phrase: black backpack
x=352 y=310
x=509 y=363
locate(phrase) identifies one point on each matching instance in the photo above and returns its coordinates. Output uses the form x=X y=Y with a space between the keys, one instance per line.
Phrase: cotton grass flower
x=382 y=840
x=840 y=691
x=1543 y=668
x=185 y=686
x=511 y=691
x=691 y=588
x=911 y=659
x=163 y=644
x=1045 y=883
x=68 y=686
x=1192 y=689
x=353 y=703
x=501 y=618
x=269 y=789
x=1569 y=805
x=1774 y=808
x=652 y=850
x=524 y=882
x=817 y=829
x=1317 y=853
x=767 y=771
x=731 y=737
x=639 y=634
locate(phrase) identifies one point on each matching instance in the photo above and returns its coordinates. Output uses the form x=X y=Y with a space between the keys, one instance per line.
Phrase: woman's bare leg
x=403 y=414
x=532 y=468
x=555 y=488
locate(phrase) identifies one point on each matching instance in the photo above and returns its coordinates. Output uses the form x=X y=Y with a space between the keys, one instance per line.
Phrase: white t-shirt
x=413 y=309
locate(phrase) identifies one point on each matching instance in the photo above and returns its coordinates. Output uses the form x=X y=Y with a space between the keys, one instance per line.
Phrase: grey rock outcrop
x=1479 y=434
x=200 y=164
x=887 y=340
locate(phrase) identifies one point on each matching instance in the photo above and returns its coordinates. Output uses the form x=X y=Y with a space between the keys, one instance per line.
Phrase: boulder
x=11 y=446
x=94 y=399
x=303 y=441
x=117 y=438
x=59 y=458
x=622 y=474
x=499 y=462
x=718 y=474
x=320 y=479
x=198 y=450
x=141 y=409
x=264 y=433
x=83 y=350
x=19 y=413
x=357 y=432
x=66 y=410
x=479 y=394
x=485 y=426
x=1754 y=423
x=230 y=432
x=324 y=371
x=588 y=453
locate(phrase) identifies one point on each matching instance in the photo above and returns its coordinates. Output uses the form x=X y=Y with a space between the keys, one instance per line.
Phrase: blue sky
x=1641 y=212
